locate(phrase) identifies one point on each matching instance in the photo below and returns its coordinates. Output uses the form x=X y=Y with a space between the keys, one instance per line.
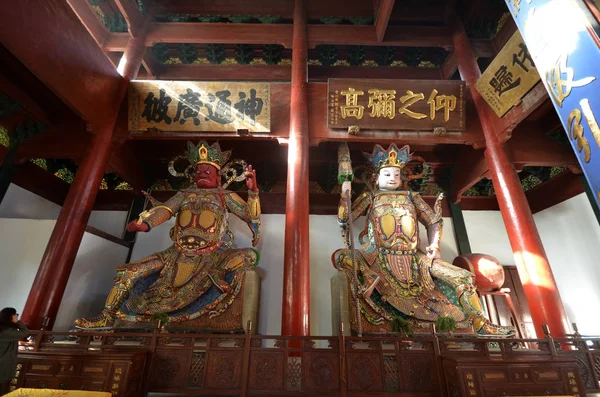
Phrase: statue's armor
x=393 y=222
x=201 y=223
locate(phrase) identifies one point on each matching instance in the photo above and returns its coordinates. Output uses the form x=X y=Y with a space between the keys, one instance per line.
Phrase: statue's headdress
x=205 y=154
x=393 y=157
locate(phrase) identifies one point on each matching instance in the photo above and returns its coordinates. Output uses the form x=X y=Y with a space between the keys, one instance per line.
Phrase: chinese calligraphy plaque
x=418 y=105
x=199 y=106
x=509 y=77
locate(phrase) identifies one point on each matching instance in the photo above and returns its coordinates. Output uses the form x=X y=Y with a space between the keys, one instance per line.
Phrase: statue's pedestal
x=243 y=309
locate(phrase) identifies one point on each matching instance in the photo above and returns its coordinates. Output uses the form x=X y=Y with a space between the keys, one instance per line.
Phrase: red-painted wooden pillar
x=296 y=260
x=530 y=257
x=56 y=265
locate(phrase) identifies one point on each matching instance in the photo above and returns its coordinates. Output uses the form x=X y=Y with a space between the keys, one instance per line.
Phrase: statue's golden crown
x=205 y=154
x=392 y=157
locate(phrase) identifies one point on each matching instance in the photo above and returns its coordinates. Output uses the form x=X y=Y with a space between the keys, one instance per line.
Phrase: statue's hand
x=433 y=252
x=134 y=226
x=346 y=188
x=251 y=179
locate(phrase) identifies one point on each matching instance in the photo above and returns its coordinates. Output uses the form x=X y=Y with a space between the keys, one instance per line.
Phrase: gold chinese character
x=438 y=102
x=471 y=384
x=570 y=374
x=382 y=103
x=560 y=79
x=352 y=108
x=472 y=392
x=469 y=376
x=574 y=389
x=576 y=132
x=591 y=119
x=572 y=382
x=408 y=100
x=517 y=5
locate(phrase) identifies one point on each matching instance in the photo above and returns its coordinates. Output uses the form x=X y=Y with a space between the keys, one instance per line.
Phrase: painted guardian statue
x=199 y=281
x=389 y=275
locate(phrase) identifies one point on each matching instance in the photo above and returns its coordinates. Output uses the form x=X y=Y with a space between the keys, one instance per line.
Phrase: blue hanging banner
x=562 y=38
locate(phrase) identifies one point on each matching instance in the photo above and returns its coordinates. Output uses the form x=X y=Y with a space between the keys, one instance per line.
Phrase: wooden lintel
x=471 y=167
x=231 y=33
x=283 y=72
x=383 y=18
x=241 y=33
x=90 y=20
x=132 y=15
x=284 y=9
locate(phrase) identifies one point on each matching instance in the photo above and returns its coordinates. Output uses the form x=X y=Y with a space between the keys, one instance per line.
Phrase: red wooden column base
x=296 y=261
x=55 y=268
x=534 y=270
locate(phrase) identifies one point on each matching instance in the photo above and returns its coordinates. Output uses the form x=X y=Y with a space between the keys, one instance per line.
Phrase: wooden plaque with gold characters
x=419 y=105
x=509 y=77
x=199 y=106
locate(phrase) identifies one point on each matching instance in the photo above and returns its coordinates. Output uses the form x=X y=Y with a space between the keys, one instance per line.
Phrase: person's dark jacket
x=9 y=344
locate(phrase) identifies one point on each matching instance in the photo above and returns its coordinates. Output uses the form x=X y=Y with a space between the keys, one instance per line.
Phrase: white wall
x=571 y=237
x=21 y=203
x=487 y=235
x=22 y=244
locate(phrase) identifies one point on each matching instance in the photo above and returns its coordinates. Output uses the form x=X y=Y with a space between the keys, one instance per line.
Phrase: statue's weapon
x=345 y=174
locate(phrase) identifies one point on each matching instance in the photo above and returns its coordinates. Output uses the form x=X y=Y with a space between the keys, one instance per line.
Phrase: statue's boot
x=472 y=306
x=106 y=318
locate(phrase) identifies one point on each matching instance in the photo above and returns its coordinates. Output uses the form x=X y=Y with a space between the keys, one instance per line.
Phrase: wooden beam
x=243 y=33
x=471 y=167
x=90 y=20
x=283 y=72
x=449 y=67
x=383 y=18
x=530 y=147
x=284 y=9
x=133 y=16
x=26 y=103
x=71 y=63
x=64 y=141
x=529 y=103
x=39 y=181
x=231 y=33
x=152 y=66
x=125 y=161
x=506 y=32
x=554 y=191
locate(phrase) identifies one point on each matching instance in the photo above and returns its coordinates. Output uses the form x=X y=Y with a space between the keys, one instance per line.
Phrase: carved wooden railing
x=336 y=366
